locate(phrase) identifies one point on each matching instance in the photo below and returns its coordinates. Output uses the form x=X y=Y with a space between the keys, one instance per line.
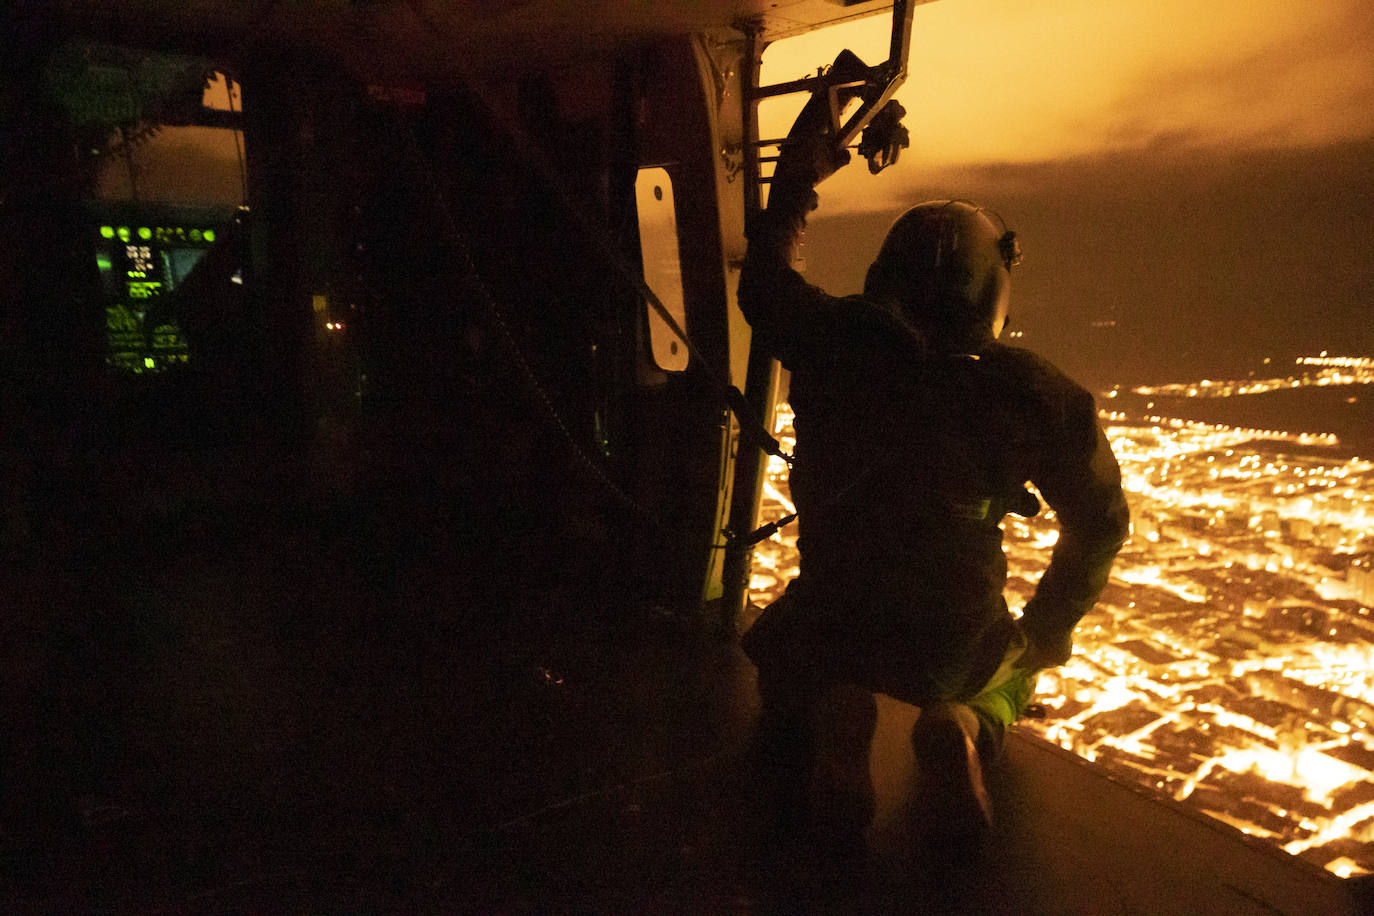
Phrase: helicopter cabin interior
x=362 y=356
x=481 y=261
x=366 y=371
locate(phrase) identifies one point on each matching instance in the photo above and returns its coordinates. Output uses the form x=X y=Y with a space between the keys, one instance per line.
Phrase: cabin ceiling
x=428 y=38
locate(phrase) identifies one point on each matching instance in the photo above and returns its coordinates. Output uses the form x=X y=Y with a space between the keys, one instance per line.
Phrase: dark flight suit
x=907 y=458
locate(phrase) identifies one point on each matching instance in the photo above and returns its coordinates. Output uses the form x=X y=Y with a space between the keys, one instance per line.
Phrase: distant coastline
x=1347 y=411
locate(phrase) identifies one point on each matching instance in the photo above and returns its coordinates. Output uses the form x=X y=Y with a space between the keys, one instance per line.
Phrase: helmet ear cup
x=1009 y=247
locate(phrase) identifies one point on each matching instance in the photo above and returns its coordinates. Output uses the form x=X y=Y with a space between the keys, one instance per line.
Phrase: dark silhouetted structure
x=915 y=423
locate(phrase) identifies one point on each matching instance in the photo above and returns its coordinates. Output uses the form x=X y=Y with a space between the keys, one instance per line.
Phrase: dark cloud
x=1207 y=262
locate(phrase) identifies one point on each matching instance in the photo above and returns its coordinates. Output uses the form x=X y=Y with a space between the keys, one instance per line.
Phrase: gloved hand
x=884 y=138
x=1045 y=652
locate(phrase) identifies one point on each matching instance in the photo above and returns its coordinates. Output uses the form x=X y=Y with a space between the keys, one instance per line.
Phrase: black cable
x=229 y=84
x=534 y=157
x=128 y=145
x=457 y=239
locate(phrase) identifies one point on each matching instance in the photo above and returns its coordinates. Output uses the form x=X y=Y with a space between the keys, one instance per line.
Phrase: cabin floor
x=273 y=717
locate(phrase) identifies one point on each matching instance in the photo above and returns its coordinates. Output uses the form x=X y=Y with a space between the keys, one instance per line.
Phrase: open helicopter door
x=873 y=86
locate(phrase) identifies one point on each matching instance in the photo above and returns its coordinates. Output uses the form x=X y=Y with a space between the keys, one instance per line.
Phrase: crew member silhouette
x=917 y=432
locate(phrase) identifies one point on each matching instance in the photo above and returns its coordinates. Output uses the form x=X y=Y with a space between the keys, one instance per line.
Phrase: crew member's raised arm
x=789 y=316
x=784 y=310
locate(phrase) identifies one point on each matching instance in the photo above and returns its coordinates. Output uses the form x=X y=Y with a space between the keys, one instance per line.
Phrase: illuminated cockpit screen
x=141 y=265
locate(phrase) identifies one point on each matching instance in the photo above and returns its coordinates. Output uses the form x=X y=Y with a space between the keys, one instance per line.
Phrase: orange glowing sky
x=1005 y=81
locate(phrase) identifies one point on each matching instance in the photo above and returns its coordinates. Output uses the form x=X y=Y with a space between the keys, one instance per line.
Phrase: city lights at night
x=386 y=392
x=1230 y=662
x=1319 y=371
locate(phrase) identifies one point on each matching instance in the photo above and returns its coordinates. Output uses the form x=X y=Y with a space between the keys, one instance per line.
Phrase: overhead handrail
x=877 y=86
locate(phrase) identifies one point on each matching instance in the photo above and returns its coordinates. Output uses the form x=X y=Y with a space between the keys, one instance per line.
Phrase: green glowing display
x=141 y=264
x=120 y=320
x=168 y=337
x=144 y=289
x=132 y=349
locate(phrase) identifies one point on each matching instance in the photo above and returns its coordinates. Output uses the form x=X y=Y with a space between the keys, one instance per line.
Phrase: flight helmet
x=947 y=265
